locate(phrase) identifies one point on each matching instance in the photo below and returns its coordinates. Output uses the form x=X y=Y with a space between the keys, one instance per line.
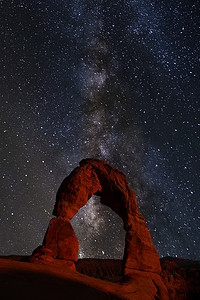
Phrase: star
x=114 y=80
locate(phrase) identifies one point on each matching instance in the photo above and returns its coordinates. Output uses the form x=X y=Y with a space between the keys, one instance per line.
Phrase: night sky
x=114 y=80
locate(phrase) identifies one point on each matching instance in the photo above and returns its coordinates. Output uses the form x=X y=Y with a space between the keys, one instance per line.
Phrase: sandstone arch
x=95 y=176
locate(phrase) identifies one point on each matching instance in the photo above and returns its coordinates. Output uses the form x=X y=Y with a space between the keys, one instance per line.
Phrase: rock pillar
x=60 y=245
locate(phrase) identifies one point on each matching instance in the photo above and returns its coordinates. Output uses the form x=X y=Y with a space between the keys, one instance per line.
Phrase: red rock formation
x=181 y=277
x=99 y=178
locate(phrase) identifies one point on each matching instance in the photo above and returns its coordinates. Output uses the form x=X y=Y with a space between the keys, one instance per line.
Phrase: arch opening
x=99 y=231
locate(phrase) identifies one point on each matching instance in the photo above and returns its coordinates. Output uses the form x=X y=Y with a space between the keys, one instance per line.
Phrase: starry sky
x=114 y=80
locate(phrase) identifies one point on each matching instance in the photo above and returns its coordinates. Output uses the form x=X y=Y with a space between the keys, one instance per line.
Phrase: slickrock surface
x=22 y=280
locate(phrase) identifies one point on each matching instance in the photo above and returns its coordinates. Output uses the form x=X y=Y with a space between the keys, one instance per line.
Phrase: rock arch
x=96 y=177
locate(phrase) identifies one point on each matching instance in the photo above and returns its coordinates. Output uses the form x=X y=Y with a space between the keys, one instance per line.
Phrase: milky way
x=115 y=80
